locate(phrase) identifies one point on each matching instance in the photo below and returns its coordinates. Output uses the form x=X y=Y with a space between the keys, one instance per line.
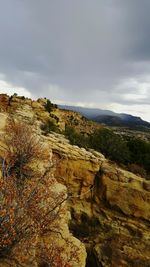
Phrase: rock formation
x=110 y=207
x=34 y=212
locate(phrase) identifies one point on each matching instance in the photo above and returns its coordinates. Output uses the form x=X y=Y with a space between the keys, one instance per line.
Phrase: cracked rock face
x=110 y=207
x=47 y=206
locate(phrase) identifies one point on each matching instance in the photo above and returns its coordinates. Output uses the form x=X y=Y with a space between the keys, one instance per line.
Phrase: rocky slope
x=110 y=118
x=110 y=207
x=35 y=111
x=35 y=215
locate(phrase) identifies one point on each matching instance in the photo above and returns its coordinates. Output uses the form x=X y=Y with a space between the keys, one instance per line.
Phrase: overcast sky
x=94 y=53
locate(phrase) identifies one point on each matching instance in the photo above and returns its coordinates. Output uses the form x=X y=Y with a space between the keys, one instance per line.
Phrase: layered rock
x=36 y=214
x=110 y=207
x=35 y=111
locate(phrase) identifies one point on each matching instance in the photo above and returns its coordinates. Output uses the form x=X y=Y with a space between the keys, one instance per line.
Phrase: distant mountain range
x=108 y=117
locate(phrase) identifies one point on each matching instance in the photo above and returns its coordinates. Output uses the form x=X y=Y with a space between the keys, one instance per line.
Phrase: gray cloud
x=78 y=51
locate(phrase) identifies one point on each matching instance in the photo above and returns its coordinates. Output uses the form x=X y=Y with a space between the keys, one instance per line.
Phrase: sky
x=92 y=53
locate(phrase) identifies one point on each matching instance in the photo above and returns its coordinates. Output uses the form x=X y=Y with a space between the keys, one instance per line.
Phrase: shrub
x=140 y=153
x=49 y=106
x=130 y=153
x=50 y=126
x=111 y=145
x=32 y=208
x=76 y=138
x=22 y=148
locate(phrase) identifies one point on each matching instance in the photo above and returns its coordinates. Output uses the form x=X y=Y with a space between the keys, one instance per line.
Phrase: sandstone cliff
x=110 y=207
x=34 y=214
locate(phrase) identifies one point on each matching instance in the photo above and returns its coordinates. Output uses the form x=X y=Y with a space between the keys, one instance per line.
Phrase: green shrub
x=49 y=106
x=131 y=153
x=111 y=145
x=140 y=153
x=49 y=126
x=76 y=138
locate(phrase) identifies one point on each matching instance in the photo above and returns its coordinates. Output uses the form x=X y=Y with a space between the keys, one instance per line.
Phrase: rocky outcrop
x=75 y=119
x=34 y=214
x=35 y=112
x=110 y=207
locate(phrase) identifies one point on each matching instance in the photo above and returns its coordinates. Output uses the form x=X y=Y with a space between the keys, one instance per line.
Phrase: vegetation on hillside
x=111 y=145
x=29 y=206
x=49 y=106
x=76 y=138
x=139 y=153
x=132 y=153
x=49 y=126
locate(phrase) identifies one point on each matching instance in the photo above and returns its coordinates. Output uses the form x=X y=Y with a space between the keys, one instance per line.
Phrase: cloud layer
x=95 y=53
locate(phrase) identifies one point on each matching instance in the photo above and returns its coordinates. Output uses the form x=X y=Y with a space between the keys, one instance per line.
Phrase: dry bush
x=52 y=256
x=32 y=207
x=34 y=211
x=22 y=148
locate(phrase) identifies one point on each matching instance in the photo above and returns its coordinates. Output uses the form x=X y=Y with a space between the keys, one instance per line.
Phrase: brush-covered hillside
x=110 y=118
x=62 y=202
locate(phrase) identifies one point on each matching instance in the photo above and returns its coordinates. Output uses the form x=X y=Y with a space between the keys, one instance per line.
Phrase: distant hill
x=108 y=117
x=89 y=113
